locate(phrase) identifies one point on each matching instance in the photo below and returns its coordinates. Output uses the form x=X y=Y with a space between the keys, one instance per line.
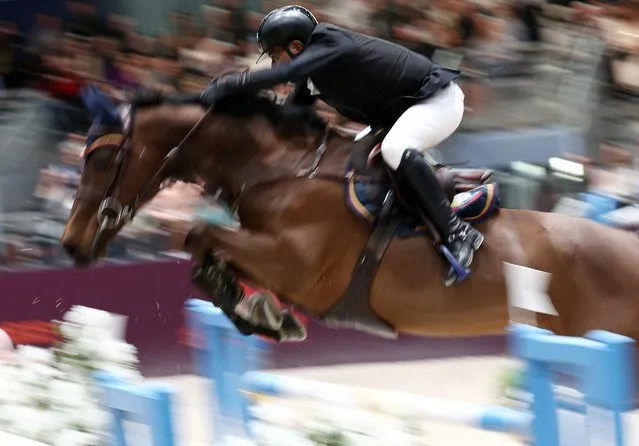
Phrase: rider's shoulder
x=327 y=32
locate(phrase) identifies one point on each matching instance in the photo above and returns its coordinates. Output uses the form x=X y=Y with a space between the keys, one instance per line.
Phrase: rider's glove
x=224 y=86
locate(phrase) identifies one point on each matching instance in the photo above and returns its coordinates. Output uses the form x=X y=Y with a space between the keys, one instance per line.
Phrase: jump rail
x=603 y=363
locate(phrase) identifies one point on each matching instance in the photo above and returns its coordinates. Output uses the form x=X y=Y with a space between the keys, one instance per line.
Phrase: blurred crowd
x=57 y=55
x=488 y=39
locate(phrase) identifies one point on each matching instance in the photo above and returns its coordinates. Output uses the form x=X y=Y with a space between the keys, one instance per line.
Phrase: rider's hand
x=222 y=87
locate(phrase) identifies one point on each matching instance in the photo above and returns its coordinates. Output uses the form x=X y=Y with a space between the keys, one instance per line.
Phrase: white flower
x=9 y=376
x=96 y=334
x=273 y=413
x=6 y=415
x=6 y=346
x=53 y=398
x=35 y=354
x=68 y=393
x=70 y=330
x=71 y=437
x=27 y=421
x=269 y=435
x=120 y=352
x=95 y=323
x=299 y=422
x=47 y=425
x=87 y=349
x=92 y=418
x=237 y=441
x=16 y=393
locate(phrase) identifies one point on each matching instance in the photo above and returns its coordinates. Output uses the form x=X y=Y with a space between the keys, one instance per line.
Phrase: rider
x=375 y=82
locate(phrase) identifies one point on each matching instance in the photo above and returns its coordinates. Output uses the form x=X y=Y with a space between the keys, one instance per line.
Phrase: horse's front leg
x=271 y=261
x=213 y=249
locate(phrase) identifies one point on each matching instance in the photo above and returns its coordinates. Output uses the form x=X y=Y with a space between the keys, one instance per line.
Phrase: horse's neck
x=338 y=150
x=323 y=155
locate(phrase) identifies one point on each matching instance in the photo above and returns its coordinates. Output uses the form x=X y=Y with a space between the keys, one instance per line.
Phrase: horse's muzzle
x=79 y=260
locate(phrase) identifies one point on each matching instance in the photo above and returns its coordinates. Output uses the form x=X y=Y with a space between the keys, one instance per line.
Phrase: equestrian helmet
x=284 y=25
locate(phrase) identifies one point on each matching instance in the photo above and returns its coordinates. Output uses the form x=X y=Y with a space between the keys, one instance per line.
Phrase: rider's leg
x=422 y=127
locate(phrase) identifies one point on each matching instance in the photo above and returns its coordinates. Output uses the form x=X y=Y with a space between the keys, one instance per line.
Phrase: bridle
x=112 y=213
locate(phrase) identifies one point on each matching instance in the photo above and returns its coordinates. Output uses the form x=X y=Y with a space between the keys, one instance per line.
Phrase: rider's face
x=279 y=54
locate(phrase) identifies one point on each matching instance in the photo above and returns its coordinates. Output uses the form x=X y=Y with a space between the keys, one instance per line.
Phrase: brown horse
x=299 y=239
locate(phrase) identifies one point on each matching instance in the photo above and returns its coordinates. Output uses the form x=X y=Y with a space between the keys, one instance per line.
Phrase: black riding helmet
x=284 y=25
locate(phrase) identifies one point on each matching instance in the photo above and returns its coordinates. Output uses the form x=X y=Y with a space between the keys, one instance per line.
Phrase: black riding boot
x=423 y=189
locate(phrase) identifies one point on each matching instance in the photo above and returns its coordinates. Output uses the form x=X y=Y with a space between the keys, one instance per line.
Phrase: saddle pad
x=365 y=197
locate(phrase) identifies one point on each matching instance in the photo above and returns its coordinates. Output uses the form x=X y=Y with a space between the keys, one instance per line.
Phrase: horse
x=313 y=233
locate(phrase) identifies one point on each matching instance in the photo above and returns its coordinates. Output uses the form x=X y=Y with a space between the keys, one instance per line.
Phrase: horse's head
x=123 y=169
x=128 y=156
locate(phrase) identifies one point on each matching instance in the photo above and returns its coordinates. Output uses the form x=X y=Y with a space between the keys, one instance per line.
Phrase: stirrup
x=461 y=271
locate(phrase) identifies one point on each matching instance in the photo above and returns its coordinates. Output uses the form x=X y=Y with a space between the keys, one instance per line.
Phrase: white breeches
x=424 y=125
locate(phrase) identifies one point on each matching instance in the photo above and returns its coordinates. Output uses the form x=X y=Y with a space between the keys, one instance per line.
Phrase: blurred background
x=552 y=105
x=551 y=90
x=551 y=94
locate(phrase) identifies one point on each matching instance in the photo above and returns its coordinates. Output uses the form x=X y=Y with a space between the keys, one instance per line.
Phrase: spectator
x=528 y=12
x=355 y=14
x=491 y=47
x=465 y=21
x=9 y=40
x=238 y=27
x=83 y=19
x=382 y=19
x=165 y=73
x=46 y=36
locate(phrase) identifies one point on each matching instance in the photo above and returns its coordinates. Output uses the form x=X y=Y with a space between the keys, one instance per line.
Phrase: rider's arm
x=322 y=49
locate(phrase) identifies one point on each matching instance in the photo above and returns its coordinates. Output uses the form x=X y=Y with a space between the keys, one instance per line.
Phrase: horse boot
x=216 y=281
x=460 y=240
x=258 y=314
x=262 y=310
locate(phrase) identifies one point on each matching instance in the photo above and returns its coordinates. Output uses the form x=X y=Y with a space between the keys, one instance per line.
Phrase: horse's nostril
x=70 y=248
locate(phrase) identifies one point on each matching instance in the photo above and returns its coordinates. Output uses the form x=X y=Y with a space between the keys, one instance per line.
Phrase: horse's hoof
x=261 y=310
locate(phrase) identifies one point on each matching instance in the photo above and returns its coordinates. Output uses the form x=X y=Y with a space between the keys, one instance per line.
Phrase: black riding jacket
x=364 y=78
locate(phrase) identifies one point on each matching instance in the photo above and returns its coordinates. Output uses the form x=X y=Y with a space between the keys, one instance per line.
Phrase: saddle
x=371 y=196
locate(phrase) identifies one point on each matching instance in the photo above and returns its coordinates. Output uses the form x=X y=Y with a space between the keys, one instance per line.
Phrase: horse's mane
x=259 y=103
